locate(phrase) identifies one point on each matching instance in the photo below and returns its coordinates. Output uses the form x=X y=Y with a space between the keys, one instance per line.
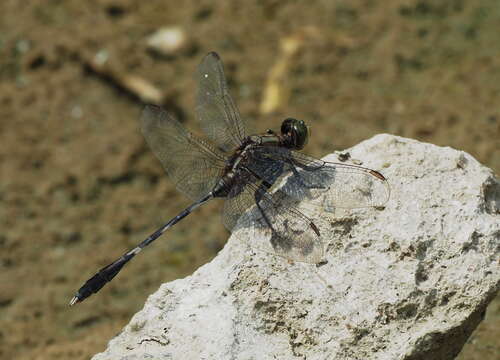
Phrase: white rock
x=167 y=41
x=410 y=281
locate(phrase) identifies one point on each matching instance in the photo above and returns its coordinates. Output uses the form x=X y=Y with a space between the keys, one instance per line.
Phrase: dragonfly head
x=295 y=132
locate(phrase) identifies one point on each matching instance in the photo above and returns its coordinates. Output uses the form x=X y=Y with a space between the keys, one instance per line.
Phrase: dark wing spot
x=314 y=227
x=377 y=174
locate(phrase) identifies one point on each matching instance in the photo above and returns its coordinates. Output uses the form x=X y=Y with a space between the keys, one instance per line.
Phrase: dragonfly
x=265 y=172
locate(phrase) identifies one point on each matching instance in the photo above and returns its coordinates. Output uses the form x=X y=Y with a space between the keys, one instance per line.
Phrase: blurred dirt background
x=78 y=185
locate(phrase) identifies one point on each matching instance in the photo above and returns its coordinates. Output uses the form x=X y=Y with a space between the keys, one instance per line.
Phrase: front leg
x=264 y=186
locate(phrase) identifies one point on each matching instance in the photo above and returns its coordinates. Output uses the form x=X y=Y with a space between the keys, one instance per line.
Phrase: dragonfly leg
x=258 y=196
x=276 y=240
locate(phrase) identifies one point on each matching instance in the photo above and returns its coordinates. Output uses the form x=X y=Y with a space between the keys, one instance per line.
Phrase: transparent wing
x=241 y=197
x=193 y=165
x=336 y=184
x=292 y=234
x=215 y=109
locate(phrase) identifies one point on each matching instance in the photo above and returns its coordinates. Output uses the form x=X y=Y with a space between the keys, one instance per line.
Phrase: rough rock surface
x=410 y=281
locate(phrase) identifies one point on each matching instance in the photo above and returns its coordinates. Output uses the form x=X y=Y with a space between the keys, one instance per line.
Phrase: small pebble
x=168 y=41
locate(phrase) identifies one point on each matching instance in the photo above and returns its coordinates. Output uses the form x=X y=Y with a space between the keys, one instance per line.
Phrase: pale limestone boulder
x=410 y=281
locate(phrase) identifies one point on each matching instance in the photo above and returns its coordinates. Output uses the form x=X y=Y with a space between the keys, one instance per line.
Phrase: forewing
x=215 y=109
x=292 y=234
x=337 y=185
x=192 y=164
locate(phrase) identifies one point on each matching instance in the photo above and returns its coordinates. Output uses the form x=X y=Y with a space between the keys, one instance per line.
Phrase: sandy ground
x=78 y=185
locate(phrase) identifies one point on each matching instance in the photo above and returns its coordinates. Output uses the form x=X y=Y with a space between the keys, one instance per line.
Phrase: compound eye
x=297 y=130
x=286 y=125
x=302 y=135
